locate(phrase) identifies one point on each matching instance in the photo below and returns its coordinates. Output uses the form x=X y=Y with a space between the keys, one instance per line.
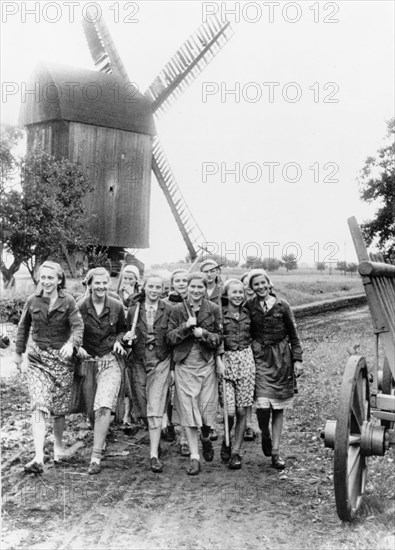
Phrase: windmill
x=117 y=139
x=182 y=69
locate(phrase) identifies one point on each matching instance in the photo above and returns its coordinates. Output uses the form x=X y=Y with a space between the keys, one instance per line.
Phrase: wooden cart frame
x=366 y=412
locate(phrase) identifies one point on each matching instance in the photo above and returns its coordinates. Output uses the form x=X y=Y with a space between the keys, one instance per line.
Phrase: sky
x=268 y=142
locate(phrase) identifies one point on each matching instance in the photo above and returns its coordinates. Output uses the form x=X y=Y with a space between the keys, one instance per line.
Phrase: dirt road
x=127 y=506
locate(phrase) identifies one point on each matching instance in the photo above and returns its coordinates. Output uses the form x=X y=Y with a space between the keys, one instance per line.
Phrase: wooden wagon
x=366 y=412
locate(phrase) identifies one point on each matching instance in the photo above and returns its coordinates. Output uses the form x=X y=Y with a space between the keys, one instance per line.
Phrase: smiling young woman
x=56 y=327
x=195 y=334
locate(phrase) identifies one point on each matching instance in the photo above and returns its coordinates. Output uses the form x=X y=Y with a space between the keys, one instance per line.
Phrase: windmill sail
x=103 y=51
x=188 y=62
x=190 y=230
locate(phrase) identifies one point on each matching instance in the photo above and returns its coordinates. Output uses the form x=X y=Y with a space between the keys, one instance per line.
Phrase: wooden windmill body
x=98 y=119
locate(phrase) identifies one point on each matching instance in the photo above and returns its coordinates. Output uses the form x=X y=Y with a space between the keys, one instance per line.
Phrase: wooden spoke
x=349 y=463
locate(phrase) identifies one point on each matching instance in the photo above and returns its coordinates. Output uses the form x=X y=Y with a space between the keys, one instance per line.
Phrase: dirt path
x=127 y=506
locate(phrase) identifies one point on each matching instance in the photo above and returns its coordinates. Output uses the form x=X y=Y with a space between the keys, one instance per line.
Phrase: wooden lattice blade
x=190 y=230
x=188 y=62
x=103 y=51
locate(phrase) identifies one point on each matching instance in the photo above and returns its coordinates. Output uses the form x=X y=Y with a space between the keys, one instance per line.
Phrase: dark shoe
x=278 y=462
x=226 y=452
x=156 y=465
x=169 y=433
x=249 y=434
x=34 y=467
x=235 y=462
x=184 y=449
x=94 y=468
x=266 y=445
x=208 y=451
x=213 y=434
x=194 y=467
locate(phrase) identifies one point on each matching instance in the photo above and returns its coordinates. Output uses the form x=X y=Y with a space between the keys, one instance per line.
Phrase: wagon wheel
x=388 y=387
x=350 y=466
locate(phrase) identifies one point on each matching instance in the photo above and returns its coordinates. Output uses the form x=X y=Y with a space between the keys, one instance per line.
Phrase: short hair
x=175 y=272
x=199 y=276
x=96 y=272
x=151 y=275
x=230 y=282
x=58 y=270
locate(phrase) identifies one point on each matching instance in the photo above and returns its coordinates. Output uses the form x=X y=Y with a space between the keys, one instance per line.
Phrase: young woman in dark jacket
x=56 y=328
x=239 y=367
x=195 y=334
x=151 y=376
x=278 y=359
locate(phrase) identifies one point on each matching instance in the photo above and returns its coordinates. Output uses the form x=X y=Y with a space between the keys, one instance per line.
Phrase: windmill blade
x=190 y=230
x=188 y=62
x=103 y=51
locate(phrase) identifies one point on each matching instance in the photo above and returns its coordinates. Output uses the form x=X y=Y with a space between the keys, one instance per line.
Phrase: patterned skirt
x=50 y=380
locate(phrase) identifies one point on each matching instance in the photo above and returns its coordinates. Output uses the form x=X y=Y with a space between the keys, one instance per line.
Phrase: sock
x=195 y=457
x=96 y=456
x=205 y=431
x=263 y=416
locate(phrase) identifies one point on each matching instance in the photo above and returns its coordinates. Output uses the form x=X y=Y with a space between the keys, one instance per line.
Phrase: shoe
x=249 y=434
x=235 y=462
x=94 y=468
x=194 y=467
x=156 y=465
x=34 y=467
x=170 y=433
x=184 y=449
x=226 y=452
x=278 y=462
x=208 y=451
x=266 y=445
x=213 y=434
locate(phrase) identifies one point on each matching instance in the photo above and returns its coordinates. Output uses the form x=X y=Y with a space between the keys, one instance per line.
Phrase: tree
x=9 y=162
x=48 y=217
x=253 y=262
x=352 y=268
x=290 y=262
x=378 y=184
x=271 y=264
x=342 y=267
x=320 y=266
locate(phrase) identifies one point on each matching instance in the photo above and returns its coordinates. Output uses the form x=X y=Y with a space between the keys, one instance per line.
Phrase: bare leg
x=241 y=422
x=102 y=423
x=58 y=429
x=38 y=429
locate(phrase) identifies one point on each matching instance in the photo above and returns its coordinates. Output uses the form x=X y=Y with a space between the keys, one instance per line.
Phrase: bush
x=11 y=309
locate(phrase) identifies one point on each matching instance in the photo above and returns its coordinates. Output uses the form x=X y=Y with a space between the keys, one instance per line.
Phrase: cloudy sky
x=276 y=162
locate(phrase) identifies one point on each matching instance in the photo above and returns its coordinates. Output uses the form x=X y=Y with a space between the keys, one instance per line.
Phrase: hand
x=117 y=348
x=83 y=354
x=197 y=332
x=298 y=369
x=220 y=366
x=129 y=289
x=191 y=322
x=66 y=351
x=18 y=358
x=129 y=336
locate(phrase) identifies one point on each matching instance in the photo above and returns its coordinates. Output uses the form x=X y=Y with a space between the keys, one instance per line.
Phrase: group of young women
x=176 y=351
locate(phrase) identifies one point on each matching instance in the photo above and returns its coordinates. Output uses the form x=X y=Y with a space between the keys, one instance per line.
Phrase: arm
x=178 y=329
x=23 y=330
x=213 y=339
x=77 y=330
x=292 y=332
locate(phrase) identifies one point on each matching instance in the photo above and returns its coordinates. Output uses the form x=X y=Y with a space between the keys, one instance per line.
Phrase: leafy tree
x=378 y=184
x=253 y=262
x=320 y=266
x=352 y=268
x=342 y=267
x=271 y=264
x=290 y=262
x=9 y=162
x=48 y=217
